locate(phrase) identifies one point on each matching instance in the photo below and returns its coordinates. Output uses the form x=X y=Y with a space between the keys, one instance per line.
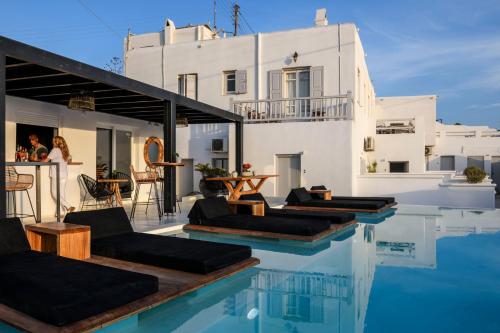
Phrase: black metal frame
x=32 y=73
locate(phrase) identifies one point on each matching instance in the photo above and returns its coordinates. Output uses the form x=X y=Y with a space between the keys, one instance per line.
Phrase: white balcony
x=295 y=109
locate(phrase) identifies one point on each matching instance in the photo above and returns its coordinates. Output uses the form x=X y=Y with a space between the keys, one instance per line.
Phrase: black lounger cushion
x=298 y=195
x=60 y=291
x=332 y=217
x=183 y=254
x=348 y=204
x=102 y=222
x=387 y=200
x=57 y=290
x=208 y=208
x=161 y=251
x=293 y=226
x=12 y=236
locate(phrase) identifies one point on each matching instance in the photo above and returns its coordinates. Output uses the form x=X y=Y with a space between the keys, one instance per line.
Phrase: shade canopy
x=47 y=77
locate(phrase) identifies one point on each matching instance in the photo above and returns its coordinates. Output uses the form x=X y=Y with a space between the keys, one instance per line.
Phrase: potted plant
x=211 y=188
x=372 y=167
x=474 y=175
x=246 y=170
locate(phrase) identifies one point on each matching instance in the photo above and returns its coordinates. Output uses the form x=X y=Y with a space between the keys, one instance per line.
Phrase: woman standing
x=59 y=154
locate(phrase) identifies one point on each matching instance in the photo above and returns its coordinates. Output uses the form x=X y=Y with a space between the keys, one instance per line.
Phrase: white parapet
x=438 y=189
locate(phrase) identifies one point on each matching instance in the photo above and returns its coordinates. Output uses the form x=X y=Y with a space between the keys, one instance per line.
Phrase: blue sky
x=446 y=47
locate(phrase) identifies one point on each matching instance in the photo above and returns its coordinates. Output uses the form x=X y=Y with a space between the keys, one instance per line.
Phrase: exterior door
x=495 y=172
x=288 y=170
x=185 y=183
x=297 y=84
x=447 y=163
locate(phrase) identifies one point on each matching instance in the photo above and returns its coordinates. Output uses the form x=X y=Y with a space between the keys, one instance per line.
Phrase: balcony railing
x=295 y=109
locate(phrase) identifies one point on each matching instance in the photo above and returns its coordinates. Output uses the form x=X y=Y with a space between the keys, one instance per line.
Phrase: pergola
x=32 y=73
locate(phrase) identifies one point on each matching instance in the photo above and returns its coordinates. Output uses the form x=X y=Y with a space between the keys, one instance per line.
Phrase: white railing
x=295 y=109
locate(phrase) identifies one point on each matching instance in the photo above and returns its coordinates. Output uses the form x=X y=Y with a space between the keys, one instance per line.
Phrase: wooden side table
x=257 y=206
x=67 y=240
x=327 y=194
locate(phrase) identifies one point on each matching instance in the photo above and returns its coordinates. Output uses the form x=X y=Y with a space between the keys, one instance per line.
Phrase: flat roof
x=40 y=75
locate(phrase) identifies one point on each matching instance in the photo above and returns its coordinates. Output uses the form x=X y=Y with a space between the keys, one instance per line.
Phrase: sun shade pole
x=169 y=134
x=239 y=145
x=3 y=212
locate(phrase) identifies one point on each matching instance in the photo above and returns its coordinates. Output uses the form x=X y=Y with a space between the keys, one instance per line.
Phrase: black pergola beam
x=169 y=136
x=3 y=208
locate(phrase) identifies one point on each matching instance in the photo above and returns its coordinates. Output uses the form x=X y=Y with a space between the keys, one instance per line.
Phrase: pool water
x=422 y=269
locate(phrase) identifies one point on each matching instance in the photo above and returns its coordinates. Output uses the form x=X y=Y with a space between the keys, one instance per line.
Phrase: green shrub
x=474 y=174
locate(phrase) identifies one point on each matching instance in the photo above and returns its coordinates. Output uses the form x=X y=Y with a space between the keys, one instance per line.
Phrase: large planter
x=211 y=189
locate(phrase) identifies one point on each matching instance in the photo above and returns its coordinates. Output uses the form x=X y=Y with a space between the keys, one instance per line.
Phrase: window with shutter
x=230 y=82
x=241 y=81
x=275 y=84
x=316 y=81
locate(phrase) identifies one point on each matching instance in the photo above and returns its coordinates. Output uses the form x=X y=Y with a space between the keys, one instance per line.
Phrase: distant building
x=312 y=115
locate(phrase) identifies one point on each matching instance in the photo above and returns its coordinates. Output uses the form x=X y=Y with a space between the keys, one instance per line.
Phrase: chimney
x=320 y=19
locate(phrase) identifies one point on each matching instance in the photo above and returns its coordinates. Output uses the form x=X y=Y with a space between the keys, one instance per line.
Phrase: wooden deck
x=332 y=209
x=334 y=228
x=172 y=284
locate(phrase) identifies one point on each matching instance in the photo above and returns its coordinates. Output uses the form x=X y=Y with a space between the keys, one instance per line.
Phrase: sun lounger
x=57 y=290
x=300 y=199
x=214 y=215
x=332 y=217
x=387 y=200
x=113 y=237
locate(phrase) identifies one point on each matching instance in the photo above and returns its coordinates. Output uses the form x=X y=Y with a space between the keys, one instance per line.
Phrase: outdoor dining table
x=114 y=186
x=235 y=192
x=38 y=186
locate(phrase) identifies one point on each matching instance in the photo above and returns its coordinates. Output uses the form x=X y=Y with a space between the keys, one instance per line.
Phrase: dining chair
x=99 y=193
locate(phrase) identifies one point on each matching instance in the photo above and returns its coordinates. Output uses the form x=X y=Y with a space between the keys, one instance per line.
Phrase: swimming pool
x=422 y=269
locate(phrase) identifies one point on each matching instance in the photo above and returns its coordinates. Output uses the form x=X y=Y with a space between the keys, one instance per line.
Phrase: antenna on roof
x=236 y=10
x=215 y=16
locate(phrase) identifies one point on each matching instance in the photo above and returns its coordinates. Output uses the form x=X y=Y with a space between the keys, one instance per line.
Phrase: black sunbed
x=387 y=200
x=215 y=212
x=332 y=217
x=57 y=290
x=112 y=236
x=300 y=198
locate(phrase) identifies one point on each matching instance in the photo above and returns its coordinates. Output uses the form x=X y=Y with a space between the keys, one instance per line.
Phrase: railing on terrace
x=295 y=109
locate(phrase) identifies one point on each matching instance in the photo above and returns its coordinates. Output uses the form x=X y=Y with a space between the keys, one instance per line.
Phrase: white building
x=312 y=115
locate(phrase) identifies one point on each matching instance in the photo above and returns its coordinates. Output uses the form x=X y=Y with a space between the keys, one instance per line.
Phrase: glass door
x=123 y=151
x=297 y=85
x=104 y=152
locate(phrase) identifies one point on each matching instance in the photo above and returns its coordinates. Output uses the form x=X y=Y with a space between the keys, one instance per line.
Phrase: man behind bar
x=38 y=151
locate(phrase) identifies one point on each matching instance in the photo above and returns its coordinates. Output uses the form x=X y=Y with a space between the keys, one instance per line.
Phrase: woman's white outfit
x=56 y=156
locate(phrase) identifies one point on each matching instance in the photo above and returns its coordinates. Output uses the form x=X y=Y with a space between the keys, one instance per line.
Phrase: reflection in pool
x=424 y=269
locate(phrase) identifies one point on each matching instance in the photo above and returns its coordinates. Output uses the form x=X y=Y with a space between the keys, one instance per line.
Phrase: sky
x=449 y=48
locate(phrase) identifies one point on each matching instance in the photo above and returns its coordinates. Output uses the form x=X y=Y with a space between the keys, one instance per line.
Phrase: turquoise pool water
x=422 y=269
x=416 y=269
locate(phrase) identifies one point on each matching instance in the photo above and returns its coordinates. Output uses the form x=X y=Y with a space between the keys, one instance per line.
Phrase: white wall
x=322 y=145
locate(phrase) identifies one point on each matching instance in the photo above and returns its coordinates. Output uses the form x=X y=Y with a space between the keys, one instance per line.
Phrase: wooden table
x=235 y=192
x=257 y=206
x=326 y=194
x=168 y=164
x=67 y=240
x=114 y=186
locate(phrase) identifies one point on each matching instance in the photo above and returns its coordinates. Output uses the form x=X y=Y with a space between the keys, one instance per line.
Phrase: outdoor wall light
x=295 y=56
x=82 y=100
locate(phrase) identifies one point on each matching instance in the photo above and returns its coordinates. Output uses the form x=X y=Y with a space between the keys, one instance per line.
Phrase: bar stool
x=158 y=174
x=16 y=182
x=141 y=178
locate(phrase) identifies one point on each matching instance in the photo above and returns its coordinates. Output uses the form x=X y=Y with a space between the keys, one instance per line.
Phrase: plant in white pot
x=246 y=170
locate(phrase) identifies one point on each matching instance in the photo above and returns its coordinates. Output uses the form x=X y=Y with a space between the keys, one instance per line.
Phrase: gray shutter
x=316 y=81
x=241 y=81
x=275 y=83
